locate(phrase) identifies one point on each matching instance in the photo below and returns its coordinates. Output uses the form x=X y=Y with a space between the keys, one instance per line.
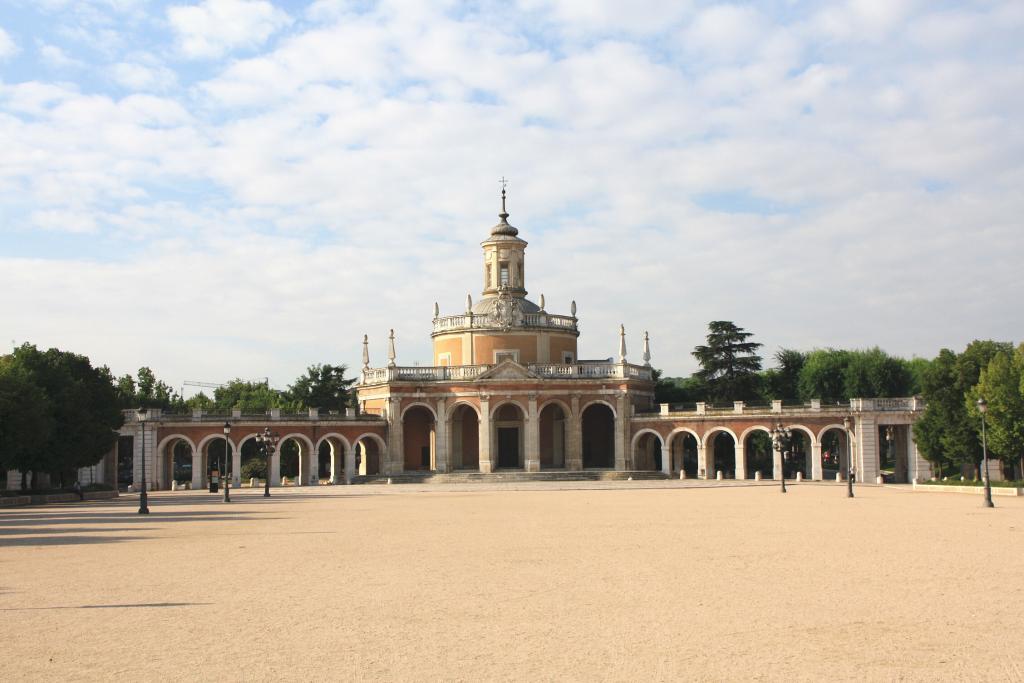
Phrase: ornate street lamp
x=268 y=442
x=143 y=498
x=782 y=438
x=847 y=423
x=983 y=408
x=227 y=445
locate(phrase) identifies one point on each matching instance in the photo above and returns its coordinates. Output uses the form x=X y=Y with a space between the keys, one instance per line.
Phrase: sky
x=242 y=188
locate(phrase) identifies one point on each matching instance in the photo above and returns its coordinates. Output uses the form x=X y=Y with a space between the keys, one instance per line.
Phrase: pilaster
x=394 y=462
x=486 y=466
x=236 y=466
x=741 y=461
x=532 y=435
x=777 y=473
x=441 y=457
x=197 y=470
x=705 y=462
x=621 y=433
x=866 y=449
x=574 y=440
x=920 y=468
x=275 y=468
x=350 y=463
x=666 y=461
x=816 y=468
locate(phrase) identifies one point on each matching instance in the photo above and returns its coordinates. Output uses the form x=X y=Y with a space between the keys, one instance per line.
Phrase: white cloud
x=215 y=27
x=55 y=56
x=136 y=76
x=7 y=45
x=667 y=169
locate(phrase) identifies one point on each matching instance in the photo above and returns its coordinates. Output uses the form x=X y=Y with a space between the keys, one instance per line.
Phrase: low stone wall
x=14 y=501
x=996 y=490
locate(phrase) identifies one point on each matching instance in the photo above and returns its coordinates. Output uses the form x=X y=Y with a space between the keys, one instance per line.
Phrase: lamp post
x=269 y=443
x=227 y=445
x=847 y=423
x=782 y=438
x=983 y=408
x=143 y=497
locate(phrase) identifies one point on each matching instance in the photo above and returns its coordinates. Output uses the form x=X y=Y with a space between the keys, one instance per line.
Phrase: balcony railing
x=456 y=373
x=483 y=321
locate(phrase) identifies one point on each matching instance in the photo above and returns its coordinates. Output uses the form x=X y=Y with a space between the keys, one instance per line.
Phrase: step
x=507 y=476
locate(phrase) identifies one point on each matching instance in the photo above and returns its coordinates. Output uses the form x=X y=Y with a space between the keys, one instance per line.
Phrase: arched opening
x=647 y=453
x=834 y=453
x=125 y=461
x=684 y=454
x=332 y=459
x=323 y=463
x=552 y=437
x=892 y=454
x=172 y=464
x=367 y=457
x=464 y=434
x=759 y=454
x=217 y=458
x=290 y=456
x=418 y=439
x=721 y=455
x=508 y=436
x=598 y=436
x=797 y=454
x=253 y=463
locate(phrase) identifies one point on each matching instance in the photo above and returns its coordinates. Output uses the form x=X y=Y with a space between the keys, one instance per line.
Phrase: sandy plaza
x=535 y=581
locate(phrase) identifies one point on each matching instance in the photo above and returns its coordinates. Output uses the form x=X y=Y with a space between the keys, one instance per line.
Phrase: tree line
x=948 y=433
x=59 y=413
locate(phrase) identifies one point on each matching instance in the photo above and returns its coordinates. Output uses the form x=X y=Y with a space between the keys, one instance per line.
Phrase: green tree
x=26 y=421
x=823 y=375
x=84 y=408
x=783 y=381
x=147 y=392
x=729 y=363
x=323 y=386
x=251 y=397
x=874 y=373
x=1001 y=383
x=677 y=389
x=946 y=434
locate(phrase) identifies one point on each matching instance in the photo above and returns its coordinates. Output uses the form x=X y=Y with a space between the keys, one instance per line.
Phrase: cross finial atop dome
x=503 y=228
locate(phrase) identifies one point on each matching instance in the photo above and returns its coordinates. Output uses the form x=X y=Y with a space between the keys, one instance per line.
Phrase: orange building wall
x=560 y=344
x=452 y=345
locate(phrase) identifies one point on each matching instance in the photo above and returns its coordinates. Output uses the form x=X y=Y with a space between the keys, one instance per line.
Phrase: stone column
x=197 y=470
x=741 y=461
x=621 y=433
x=441 y=457
x=532 y=435
x=275 y=468
x=236 y=466
x=574 y=437
x=393 y=462
x=865 y=448
x=815 y=456
x=350 y=463
x=13 y=480
x=705 y=462
x=666 y=460
x=920 y=468
x=486 y=466
x=776 y=463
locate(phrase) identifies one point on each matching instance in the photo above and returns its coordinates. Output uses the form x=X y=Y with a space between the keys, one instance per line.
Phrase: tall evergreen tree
x=323 y=386
x=729 y=363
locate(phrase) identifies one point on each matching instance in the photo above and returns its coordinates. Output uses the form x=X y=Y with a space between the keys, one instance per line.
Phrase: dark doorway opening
x=508 y=447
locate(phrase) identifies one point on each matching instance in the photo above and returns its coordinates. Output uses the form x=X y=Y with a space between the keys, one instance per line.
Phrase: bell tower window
x=503 y=275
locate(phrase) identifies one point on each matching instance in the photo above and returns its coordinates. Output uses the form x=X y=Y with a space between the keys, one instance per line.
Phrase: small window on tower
x=489 y=283
x=519 y=271
x=503 y=275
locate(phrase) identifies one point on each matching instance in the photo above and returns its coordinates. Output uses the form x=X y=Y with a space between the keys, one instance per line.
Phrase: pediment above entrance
x=508 y=369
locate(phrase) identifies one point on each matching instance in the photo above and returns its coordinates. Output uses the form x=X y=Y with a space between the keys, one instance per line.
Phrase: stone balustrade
x=483 y=321
x=457 y=373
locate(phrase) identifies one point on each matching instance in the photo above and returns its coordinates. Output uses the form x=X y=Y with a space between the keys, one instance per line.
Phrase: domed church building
x=506 y=390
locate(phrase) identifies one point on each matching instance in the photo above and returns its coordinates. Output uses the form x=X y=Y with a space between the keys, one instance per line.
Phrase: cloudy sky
x=241 y=187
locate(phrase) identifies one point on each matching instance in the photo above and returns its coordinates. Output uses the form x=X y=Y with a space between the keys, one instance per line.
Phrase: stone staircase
x=506 y=476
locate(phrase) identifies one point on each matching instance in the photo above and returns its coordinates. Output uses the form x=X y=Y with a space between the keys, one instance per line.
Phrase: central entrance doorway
x=508 y=447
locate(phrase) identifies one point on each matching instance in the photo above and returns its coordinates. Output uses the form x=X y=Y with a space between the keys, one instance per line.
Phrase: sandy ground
x=621 y=581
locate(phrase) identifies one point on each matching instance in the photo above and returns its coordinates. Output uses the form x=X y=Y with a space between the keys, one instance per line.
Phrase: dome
x=483 y=306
